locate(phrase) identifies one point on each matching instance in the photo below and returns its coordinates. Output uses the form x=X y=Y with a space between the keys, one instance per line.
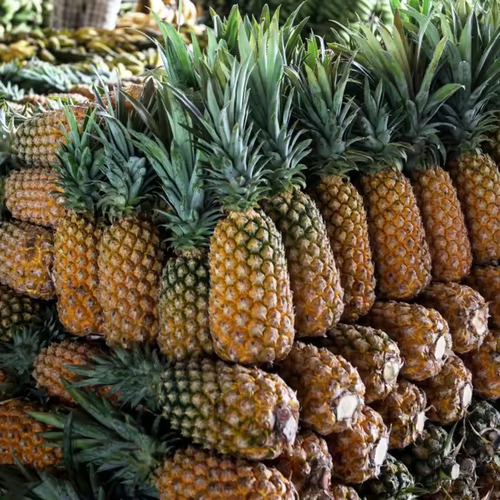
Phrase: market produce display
x=252 y=263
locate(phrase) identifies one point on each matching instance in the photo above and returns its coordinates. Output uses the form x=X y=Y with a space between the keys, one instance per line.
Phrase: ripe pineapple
x=26 y=257
x=371 y=352
x=36 y=141
x=484 y=364
x=449 y=393
x=489 y=480
x=359 y=451
x=403 y=412
x=16 y=310
x=341 y=492
x=486 y=280
x=308 y=465
x=464 y=309
x=421 y=334
x=77 y=234
x=329 y=389
x=225 y=407
x=74 y=98
x=20 y=437
x=33 y=195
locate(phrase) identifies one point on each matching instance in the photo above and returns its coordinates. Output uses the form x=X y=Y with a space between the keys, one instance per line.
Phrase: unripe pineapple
x=329 y=389
x=308 y=465
x=464 y=309
x=449 y=393
x=422 y=336
x=403 y=411
x=371 y=352
x=484 y=364
x=33 y=195
x=20 y=437
x=486 y=280
x=26 y=257
x=359 y=451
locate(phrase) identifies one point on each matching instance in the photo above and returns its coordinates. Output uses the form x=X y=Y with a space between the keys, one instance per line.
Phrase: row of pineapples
x=317 y=302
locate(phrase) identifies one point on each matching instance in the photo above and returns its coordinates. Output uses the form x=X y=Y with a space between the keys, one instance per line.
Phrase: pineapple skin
x=444 y=224
x=403 y=412
x=183 y=307
x=26 y=259
x=486 y=280
x=422 y=335
x=358 y=452
x=449 y=393
x=343 y=210
x=484 y=364
x=129 y=270
x=400 y=251
x=37 y=140
x=376 y=357
x=16 y=310
x=341 y=492
x=251 y=306
x=32 y=195
x=329 y=388
x=44 y=100
x=464 y=309
x=489 y=480
x=76 y=273
x=477 y=180
x=194 y=473
x=314 y=278
x=20 y=437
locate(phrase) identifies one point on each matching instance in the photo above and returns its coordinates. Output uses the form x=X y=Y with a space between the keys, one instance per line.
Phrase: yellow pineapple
x=403 y=412
x=329 y=389
x=341 y=492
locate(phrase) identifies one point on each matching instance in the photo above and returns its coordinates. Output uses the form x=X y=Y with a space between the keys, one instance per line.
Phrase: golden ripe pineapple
x=486 y=280
x=26 y=258
x=341 y=492
x=359 y=451
x=464 y=309
x=20 y=437
x=484 y=364
x=75 y=98
x=449 y=393
x=403 y=412
x=36 y=141
x=329 y=389
x=33 y=195
x=422 y=335
x=376 y=357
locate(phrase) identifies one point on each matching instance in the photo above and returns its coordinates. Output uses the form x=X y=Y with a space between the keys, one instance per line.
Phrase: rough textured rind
x=193 y=473
x=129 y=263
x=251 y=306
x=444 y=224
x=325 y=384
x=314 y=278
x=477 y=180
x=342 y=208
x=400 y=251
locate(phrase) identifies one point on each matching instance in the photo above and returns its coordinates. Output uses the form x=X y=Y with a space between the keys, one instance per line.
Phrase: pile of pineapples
x=269 y=271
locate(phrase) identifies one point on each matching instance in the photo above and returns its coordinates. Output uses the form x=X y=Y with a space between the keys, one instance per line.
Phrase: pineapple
x=465 y=311
x=77 y=234
x=486 y=280
x=26 y=258
x=224 y=407
x=421 y=334
x=341 y=492
x=34 y=196
x=16 y=311
x=308 y=465
x=359 y=451
x=484 y=364
x=449 y=393
x=371 y=352
x=20 y=437
x=326 y=115
x=329 y=388
x=75 y=98
x=36 y=141
x=403 y=411
x=489 y=480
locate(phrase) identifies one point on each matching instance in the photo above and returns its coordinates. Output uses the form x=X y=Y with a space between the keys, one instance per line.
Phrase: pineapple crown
x=11 y=92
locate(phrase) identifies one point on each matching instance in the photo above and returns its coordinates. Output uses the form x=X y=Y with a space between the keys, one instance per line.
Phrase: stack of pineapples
x=259 y=271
